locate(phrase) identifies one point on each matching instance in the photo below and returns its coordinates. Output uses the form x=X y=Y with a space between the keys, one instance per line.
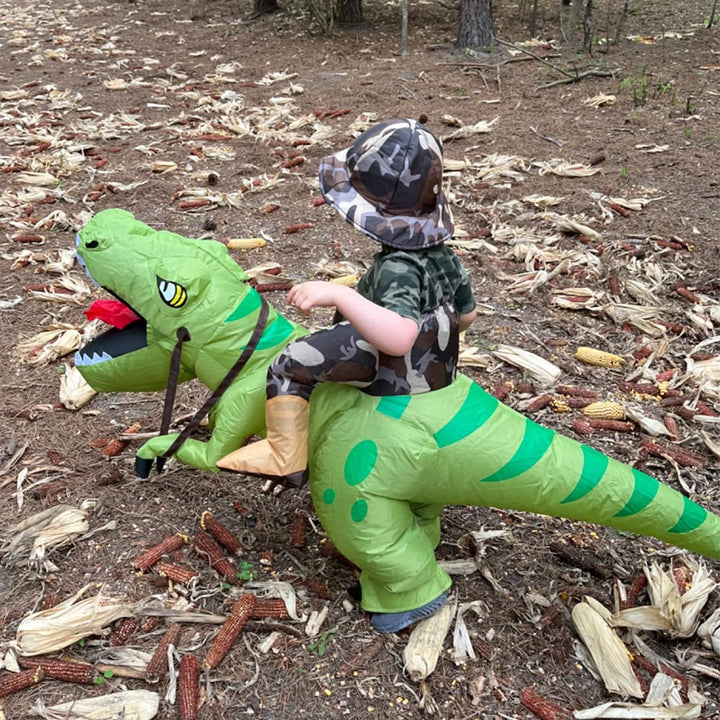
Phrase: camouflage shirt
x=415 y=282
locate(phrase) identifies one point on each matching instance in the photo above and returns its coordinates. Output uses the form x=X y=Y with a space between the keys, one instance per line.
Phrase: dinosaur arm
x=239 y=414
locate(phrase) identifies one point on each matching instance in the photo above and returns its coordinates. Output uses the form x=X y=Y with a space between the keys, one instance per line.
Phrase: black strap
x=182 y=336
x=225 y=382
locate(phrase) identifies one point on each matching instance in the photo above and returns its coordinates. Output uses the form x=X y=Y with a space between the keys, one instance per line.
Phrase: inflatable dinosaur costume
x=381 y=468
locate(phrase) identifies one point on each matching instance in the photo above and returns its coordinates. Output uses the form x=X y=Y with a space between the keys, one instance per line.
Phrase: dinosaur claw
x=143 y=467
x=160 y=464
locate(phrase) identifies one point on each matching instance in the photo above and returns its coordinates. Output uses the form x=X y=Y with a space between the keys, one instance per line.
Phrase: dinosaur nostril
x=92 y=244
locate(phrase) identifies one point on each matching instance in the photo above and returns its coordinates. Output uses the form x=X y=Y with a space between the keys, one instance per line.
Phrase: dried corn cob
x=686 y=414
x=582 y=427
x=176 y=573
x=65 y=670
x=606 y=410
x=576 y=391
x=14 y=682
x=239 y=614
x=123 y=631
x=704 y=409
x=319 y=589
x=148 y=624
x=592 y=356
x=426 y=643
x=349 y=280
x=639 y=388
x=577 y=402
x=209 y=549
x=220 y=533
x=539 y=402
x=672 y=426
x=615 y=425
x=524 y=387
x=272 y=608
x=298 y=533
x=145 y=561
x=678 y=454
x=158 y=665
x=188 y=688
x=543 y=708
x=558 y=405
x=245 y=243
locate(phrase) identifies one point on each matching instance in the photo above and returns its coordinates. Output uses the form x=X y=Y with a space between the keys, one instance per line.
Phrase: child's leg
x=337 y=354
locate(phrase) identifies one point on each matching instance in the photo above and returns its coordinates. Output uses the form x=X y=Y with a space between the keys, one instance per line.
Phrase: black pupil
x=92 y=244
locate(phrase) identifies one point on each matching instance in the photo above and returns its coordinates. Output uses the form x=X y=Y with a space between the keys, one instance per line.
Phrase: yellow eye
x=172 y=293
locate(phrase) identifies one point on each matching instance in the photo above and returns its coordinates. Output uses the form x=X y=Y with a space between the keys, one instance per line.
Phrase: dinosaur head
x=165 y=282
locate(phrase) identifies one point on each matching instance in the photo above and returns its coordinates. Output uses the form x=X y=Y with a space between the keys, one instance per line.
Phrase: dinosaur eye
x=92 y=244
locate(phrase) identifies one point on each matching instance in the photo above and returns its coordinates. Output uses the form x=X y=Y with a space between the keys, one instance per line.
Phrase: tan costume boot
x=283 y=453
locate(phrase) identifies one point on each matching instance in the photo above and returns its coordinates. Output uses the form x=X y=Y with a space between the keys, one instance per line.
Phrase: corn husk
x=541 y=370
x=663 y=702
x=608 y=652
x=577 y=298
x=480 y=127
x=571 y=225
x=51 y=344
x=65 y=289
x=709 y=632
x=124 y=705
x=75 y=392
x=72 y=620
x=681 y=609
x=599 y=100
x=641 y=317
x=556 y=166
x=42 y=179
x=47 y=529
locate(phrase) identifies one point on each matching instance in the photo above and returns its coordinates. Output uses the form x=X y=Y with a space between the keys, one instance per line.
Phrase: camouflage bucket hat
x=388 y=184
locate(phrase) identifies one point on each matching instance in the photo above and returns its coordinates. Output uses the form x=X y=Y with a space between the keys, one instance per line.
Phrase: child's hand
x=316 y=293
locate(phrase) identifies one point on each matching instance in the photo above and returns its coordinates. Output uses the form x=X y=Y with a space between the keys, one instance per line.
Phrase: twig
x=559 y=143
x=579 y=76
x=537 y=57
x=488 y=66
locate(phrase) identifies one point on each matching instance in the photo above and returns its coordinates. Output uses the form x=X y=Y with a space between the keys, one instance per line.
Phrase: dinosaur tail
x=519 y=464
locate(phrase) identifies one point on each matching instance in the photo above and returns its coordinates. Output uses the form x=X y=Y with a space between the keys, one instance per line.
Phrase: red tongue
x=113 y=312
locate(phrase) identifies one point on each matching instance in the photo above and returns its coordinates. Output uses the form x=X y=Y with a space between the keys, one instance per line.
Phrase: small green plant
x=320 y=645
x=688 y=133
x=624 y=174
x=100 y=679
x=247 y=572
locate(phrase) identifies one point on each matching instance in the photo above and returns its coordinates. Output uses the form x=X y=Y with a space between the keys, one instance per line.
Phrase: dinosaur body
x=381 y=468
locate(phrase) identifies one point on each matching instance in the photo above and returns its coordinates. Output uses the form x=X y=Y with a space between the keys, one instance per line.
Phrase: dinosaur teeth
x=83 y=359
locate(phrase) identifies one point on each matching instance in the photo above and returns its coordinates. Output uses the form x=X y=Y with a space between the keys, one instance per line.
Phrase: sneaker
x=394 y=622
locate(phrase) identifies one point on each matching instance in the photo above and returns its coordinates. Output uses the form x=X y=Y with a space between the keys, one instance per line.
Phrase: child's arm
x=466 y=319
x=389 y=332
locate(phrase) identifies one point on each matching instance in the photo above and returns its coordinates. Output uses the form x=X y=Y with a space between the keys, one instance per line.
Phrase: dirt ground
x=198 y=121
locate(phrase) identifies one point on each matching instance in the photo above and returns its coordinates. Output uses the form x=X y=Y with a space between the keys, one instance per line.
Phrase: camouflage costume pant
x=340 y=354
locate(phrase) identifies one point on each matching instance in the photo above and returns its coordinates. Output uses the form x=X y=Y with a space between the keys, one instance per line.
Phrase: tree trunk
x=476 y=24
x=349 y=12
x=264 y=7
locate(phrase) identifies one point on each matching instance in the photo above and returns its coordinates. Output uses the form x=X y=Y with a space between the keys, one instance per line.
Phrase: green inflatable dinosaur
x=381 y=469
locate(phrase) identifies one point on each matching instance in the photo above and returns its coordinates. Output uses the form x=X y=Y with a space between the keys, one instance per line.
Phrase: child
x=398 y=333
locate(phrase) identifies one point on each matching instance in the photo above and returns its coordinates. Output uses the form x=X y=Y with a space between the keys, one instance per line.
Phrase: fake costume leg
x=336 y=354
x=283 y=452
x=375 y=459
